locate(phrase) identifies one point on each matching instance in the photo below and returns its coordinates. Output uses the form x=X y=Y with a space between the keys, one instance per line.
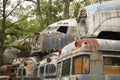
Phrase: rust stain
x=91 y=42
x=91 y=45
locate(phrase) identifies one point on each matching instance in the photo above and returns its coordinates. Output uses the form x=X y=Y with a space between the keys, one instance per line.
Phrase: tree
x=38 y=10
x=50 y=11
x=6 y=23
x=2 y=33
x=39 y=14
x=66 y=9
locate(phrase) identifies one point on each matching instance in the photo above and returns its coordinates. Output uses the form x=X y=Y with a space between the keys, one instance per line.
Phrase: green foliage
x=21 y=30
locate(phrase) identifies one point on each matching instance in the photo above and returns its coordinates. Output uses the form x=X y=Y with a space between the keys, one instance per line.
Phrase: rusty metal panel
x=109 y=45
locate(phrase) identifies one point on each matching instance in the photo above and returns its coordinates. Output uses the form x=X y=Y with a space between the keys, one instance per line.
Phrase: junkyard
x=86 y=47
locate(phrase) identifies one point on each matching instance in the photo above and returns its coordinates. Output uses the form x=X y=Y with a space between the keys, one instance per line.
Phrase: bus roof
x=90 y=44
x=50 y=58
x=108 y=5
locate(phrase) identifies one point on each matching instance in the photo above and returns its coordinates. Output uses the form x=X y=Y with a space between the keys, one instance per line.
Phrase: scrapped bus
x=20 y=73
x=101 y=20
x=26 y=68
x=46 y=70
x=98 y=57
x=90 y=59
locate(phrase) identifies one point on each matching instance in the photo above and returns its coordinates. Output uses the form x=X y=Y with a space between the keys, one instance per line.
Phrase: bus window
x=66 y=67
x=35 y=73
x=42 y=70
x=58 y=69
x=111 y=61
x=24 y=72
x=81 y=64
x=19 y=72
x=111 y=65
x=50 y=69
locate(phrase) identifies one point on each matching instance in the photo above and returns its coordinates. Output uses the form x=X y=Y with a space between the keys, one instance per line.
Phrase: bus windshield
x=81 y=64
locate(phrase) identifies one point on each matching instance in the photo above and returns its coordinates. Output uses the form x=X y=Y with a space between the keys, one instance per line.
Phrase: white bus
x=46 y=70
x=90 y=59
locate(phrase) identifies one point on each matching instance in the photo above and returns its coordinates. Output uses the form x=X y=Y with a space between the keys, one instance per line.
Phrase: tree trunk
x=3 y=33
x=40 y=15
x=66 y=9
x=50 y=12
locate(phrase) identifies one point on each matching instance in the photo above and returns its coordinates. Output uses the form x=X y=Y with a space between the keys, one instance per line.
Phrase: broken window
x=62 y=29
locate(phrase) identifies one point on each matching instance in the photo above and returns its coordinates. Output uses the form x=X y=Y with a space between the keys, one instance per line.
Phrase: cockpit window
x=62 y=29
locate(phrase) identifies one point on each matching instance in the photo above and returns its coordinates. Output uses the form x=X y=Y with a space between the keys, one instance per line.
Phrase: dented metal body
x=26 y=67
x=46 y=70
x=87 y=60
x=96 y=18
x=10 y=54
x=55 y=36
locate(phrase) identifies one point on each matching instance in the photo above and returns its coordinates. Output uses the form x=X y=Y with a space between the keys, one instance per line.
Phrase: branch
x=18 y=21
x=31 y=1
x=13 y=9
x=1 y=12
